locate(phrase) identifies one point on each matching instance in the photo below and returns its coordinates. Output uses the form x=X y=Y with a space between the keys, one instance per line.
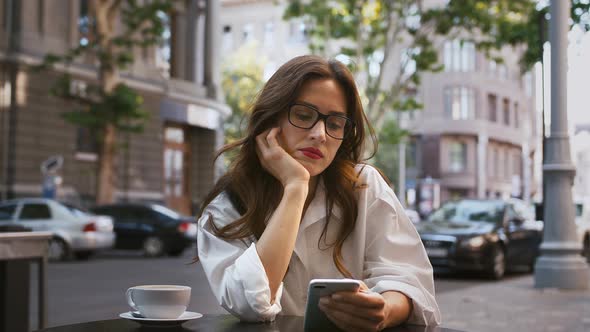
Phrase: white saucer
x=186 y=316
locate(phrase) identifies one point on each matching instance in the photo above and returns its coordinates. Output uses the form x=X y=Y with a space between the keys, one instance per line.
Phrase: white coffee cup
x=159 y=301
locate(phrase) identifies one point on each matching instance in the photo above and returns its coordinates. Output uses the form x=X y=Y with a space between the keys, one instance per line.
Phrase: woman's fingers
x=349 y=322
x=361 y=299
x=372 y=314
x=261 y=141
x=271 y=137
x=276 y=160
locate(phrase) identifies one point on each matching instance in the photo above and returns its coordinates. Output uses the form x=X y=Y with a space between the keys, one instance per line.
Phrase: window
x=457 y=157
x=40 y=15
x=247 y=32
x=492 y=67
x=500 y=171
x=492 y=108
x=459 y=56
x=298 y=31
x=35 y=211
x=496 y=162
x=174 y=134
x=459 y=103
x=502 y=71
x=6 y=211
x=269 y=31
x=516 y=170
x=506 y=111
x=164 y=49
x=85 y=23
x=507 y=169
x=86 y=141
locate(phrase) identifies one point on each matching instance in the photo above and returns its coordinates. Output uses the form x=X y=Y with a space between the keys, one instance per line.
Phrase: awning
x=208 y=115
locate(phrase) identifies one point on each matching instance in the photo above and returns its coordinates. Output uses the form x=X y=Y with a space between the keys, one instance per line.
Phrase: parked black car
x=485 y=235
x=154 y=228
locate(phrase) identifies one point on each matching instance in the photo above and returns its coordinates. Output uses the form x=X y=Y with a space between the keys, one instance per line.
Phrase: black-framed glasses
x=306 y=116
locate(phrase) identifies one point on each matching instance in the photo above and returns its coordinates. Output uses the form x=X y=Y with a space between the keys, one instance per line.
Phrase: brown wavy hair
x=255 y=193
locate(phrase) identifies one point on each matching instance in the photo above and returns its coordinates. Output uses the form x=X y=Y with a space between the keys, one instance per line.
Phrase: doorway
x=176 y=169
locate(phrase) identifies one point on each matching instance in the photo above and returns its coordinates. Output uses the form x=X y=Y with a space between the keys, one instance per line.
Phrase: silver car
x=74 y=232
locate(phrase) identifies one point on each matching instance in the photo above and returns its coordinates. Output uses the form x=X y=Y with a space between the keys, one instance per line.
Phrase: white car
x=413 y=215
x=74 y=232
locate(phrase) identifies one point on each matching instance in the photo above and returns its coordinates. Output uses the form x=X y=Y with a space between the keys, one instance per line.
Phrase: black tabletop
x=215 y=323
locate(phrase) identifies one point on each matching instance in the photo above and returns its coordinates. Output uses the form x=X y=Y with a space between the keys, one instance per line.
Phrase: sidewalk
x=515 y=305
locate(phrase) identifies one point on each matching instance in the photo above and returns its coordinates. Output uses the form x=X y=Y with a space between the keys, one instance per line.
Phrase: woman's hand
x=364 y=310
x=277 y=161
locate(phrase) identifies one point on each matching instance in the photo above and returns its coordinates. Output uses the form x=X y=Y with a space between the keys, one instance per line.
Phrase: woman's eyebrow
x=310 y=105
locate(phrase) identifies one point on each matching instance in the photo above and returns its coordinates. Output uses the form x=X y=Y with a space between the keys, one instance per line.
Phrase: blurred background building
x=581 y=158
x=479 y=129
x=170 y=162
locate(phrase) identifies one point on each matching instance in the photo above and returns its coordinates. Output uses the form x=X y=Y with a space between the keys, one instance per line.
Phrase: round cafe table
x=216 y=323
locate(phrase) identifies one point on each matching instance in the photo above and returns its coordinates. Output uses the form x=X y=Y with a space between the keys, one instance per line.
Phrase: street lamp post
x=560 y=264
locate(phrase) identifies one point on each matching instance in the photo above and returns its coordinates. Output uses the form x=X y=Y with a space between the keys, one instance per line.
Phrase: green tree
x=372 y=37
x=242 y=79
x=493 y=24
x=390 y=44
x=116 y=28
x=389 y=136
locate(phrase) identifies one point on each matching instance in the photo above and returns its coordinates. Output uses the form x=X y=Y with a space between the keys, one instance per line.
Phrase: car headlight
x=474 y=242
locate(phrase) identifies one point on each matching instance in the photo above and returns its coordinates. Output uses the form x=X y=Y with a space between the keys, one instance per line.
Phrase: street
x=90 y=290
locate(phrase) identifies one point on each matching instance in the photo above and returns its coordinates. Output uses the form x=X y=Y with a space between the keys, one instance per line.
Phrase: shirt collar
x=316 y=210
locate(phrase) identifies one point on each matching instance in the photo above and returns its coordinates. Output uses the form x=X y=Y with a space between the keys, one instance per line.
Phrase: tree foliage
x=115 y=29
x=493 y=24
x=389 y=44
x=242 y=79
x=372 y=37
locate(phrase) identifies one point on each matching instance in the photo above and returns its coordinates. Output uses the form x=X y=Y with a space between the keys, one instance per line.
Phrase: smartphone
x=315 y=319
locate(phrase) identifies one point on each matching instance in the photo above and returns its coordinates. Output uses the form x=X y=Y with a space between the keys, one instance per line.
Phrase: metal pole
x=402 y=172
x=544 y=135
x=560 y=264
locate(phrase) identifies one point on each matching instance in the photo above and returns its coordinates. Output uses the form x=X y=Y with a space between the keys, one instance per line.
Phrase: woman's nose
x=319 y=131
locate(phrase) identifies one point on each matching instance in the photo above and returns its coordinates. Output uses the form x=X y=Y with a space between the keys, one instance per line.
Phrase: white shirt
x=384 y=251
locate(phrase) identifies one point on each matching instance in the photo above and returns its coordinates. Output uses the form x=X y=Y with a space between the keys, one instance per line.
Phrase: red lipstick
x=312 y=153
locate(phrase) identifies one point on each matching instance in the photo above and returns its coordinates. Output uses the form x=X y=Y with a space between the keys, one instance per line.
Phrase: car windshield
x=166 y=211
x=469 y=211
x=579 y=208
x=7 y=210
x=75 y=210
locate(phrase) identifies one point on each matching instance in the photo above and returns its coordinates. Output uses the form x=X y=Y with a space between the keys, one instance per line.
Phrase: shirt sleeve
x=234 y=270
x=395 y=258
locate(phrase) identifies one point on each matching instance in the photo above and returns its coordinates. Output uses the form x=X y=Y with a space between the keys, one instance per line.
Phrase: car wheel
x=83 y=255
x=176 y=252
x=586 y=248
x=498 y=267
x=153 y=246
x=58 y=250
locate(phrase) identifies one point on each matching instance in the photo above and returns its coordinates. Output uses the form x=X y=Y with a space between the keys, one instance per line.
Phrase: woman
x=298 y=204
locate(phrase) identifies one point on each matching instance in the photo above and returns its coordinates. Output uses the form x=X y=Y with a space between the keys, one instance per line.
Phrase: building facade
x=581 y=158
x=477 y=134
x=478 y=131
x=170 y=162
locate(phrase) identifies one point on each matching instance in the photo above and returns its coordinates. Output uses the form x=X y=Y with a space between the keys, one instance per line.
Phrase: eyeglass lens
x=305 y=117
